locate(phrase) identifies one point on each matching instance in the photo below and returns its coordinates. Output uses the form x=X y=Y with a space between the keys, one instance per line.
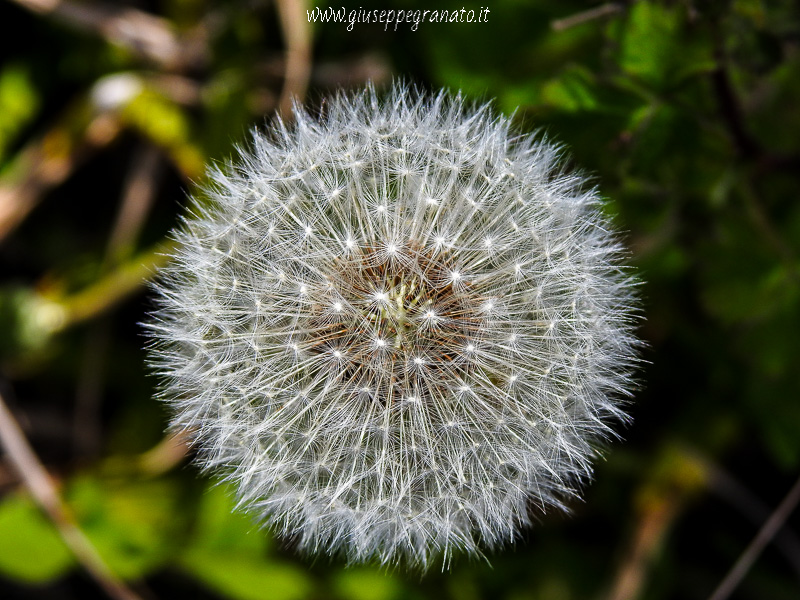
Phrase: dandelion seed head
x=397 y=328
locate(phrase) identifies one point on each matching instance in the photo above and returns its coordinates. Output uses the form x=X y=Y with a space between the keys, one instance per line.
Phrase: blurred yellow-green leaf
x=30 y=547
x=228 y=553
x=367 y=584
x=247 y=578
x=130 y=522
x=19 y=102
x=647 y=49
x=220 y=528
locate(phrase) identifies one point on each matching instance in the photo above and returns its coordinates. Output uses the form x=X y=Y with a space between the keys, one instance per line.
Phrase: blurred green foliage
x=32 y=550
x=686 y=111
x=18 y=103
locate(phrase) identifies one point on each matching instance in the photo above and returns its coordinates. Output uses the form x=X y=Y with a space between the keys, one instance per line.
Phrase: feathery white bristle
x=396 y=328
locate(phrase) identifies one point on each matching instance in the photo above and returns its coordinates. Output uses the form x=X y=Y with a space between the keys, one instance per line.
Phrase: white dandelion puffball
x=398 y=327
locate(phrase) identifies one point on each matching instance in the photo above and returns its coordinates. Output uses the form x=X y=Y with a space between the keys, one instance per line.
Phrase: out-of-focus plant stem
x=754 y=549
x=38 y=482
x=46 y=163
x=676 y=478
x=604 y=10
x=147 y=35
x=297 y=39
x=110 y=289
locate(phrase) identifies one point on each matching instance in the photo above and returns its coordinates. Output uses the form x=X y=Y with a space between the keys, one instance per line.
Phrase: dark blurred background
x=686 y=112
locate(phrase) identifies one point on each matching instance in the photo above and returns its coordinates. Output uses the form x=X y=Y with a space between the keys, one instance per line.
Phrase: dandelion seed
x=485 y=350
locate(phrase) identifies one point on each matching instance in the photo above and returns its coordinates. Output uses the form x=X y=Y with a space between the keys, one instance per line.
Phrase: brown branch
x=297 y=38
x=604 y=10
x=754 y=549
x=677 y=477
x=137 y=199
x=169 y=452
x=144 y=34
x=652 y=526
x=746 y=502
x=41 y=487
x=48 y=162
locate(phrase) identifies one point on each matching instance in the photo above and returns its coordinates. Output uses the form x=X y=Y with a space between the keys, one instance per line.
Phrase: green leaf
x=573 y=90
x=657 y=129
x=131 y=523
x=649 y=42
x=221 y=528
x=366 y=584
x=166 y=124
x=228 y=554
x=247 y=577
x=31 y=549
x=19 y=102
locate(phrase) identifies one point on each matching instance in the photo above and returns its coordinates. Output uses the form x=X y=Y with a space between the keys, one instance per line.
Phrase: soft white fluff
x=399 y=328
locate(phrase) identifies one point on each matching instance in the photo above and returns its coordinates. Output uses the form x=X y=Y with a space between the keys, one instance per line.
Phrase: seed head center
x=407 y=319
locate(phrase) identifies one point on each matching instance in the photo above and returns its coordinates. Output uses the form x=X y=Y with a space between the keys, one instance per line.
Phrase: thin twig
x=604 y=10
x=48 y=162
x=41 y=487
x=652 y=526
x=754 y=549
x=55 y=314
x=144 y=34
x=661 y=501
x=170 y=451
x=729 y=489
x=137 y=199
x=297 y=38
x=111 y=289
x=748 y=148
